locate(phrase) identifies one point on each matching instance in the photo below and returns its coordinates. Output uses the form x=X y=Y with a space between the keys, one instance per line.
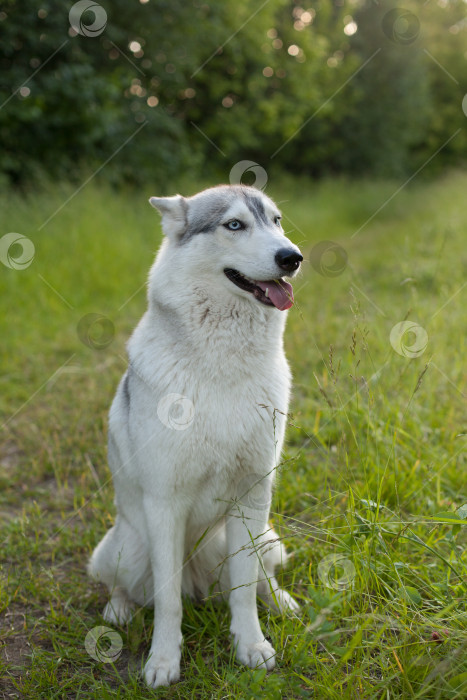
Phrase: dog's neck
x=225 y=324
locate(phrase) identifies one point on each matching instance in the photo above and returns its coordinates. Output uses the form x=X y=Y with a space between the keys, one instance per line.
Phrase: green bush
x=175 y=87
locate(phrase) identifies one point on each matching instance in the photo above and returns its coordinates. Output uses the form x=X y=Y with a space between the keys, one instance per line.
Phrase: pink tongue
x=279 y=292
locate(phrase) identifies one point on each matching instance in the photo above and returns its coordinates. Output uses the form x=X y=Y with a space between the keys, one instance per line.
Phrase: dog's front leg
x=243 y=529
x=166 y=535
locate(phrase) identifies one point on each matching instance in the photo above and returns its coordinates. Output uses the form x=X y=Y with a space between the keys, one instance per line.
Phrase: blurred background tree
x=320 y=86
x=390 y=95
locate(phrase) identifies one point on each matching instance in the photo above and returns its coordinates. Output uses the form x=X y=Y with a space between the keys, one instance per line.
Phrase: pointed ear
x=173 y=210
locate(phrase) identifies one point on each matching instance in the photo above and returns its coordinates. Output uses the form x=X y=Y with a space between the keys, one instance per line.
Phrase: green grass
x=375 y=450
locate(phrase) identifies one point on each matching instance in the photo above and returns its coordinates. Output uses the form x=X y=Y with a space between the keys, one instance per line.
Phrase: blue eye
x=234 y=225
x=277 y=220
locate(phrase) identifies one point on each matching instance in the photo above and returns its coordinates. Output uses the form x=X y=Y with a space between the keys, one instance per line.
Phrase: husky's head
x=231 y=236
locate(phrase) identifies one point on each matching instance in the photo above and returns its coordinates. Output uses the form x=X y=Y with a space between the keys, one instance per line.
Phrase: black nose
x=288 y=259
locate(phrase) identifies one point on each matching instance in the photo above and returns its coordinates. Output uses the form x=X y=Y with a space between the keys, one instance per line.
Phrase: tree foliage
x=310 y=86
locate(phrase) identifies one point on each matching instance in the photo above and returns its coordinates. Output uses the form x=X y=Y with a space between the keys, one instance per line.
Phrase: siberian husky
x=197 y=425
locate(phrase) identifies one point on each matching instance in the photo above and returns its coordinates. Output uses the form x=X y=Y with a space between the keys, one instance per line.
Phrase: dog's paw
x=278 y=600
x=118 y=611
x=284 y=602
x=161 y=671
x=256 y=655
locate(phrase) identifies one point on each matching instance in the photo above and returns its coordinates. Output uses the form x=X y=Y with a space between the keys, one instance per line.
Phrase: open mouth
x=276 y=292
